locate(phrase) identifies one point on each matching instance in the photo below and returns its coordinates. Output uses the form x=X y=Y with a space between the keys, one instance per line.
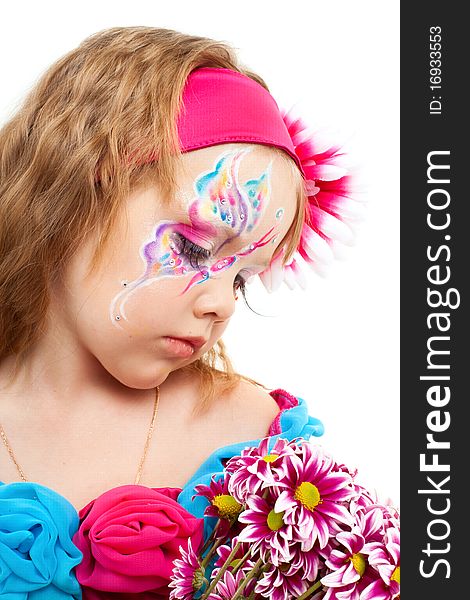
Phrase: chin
x=139 y=378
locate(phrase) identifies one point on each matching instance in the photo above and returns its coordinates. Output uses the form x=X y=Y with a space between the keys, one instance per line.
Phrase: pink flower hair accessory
x=333 y=208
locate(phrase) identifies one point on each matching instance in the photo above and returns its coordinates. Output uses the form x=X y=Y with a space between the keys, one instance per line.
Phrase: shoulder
x=250 y=410
x=257 y=413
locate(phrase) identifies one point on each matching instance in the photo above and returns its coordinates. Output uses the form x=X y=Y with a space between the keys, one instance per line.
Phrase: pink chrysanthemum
x=349 y=592
x=362 y=499
x=376 y=519
x=282 y=582
x=314 y=498
x=385 y=558
x=257 y=468
x=223 y=505
x=346 y=469
x=265 y=527
x=225 y=550
x=227 y=586
x=350 y=571
x=309 y=563
x=188 y=575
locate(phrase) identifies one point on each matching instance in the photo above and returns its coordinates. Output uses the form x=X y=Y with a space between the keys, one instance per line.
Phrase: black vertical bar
x=434 y=291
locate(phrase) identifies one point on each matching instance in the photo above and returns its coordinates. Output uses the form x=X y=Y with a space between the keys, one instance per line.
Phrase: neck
x=56 y=367
x=59 y=377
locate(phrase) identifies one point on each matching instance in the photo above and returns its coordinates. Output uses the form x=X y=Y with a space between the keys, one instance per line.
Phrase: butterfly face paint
x=224 y=263
x=221 y=198
x=222 y=204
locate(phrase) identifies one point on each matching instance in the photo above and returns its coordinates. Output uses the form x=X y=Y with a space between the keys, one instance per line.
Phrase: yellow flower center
x=359 y=563
x=198 y=579
x=275 y=520
x=270 y=457
x=396 y=575
x=308 y=495
x=227 y=506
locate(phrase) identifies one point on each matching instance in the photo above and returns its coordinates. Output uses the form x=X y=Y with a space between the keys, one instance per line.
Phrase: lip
x=196 y=342
x=184 y=347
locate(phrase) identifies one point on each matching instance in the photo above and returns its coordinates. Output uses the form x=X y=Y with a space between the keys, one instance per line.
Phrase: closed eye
x=193 y=252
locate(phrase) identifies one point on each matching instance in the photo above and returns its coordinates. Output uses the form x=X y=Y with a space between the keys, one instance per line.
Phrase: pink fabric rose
x=129 y=537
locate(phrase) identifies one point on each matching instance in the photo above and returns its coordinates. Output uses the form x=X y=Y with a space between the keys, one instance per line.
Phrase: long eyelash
x=192 y=251
x=239 y=284
x=242 y=288
x=196 y=253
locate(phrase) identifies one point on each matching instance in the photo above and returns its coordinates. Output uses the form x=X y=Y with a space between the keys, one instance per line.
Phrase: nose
x=215 y=297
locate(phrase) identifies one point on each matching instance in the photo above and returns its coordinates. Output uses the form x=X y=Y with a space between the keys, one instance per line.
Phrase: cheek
x=162 y=260
x=218 y=330
x=153 y=307
x=147 y=311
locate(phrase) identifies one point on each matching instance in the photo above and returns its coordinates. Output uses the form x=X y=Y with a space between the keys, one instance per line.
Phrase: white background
x=336 y=344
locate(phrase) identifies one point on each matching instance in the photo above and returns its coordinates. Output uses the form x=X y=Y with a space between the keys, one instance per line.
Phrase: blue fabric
x=37 y=555
x=295 y=422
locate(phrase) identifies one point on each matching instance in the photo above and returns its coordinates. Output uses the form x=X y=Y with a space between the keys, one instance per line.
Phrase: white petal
x=326 y=137
x=277 y=276
x=340 y=251
x=299 y=275
x=326 y=172
x=289 y=277
x=316 y=247
x=265 y=277
x=319 y=269
x=339 y=160
x=350 y=209
x=332 y=227
x=277 y=271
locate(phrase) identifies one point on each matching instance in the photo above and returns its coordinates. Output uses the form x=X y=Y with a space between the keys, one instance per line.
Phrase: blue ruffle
x=37 y=555
x=295 y=422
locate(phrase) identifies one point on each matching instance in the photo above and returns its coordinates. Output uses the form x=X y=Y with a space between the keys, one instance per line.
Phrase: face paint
x=228 y=261
x=163 y=258
x=221 y=198
x=221 y=203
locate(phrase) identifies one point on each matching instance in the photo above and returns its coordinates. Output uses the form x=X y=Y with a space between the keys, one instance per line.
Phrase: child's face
x=172 y=272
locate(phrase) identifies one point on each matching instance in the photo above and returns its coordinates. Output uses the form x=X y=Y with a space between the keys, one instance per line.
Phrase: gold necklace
x=142 y=460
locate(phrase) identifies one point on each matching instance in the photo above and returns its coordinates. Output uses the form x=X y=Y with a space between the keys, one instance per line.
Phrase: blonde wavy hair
x=75 y=150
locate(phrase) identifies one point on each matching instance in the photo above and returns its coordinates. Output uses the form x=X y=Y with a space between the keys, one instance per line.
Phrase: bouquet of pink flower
x=291 y=524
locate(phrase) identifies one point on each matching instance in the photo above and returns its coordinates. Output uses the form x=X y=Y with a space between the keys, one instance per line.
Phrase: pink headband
x=224 y=106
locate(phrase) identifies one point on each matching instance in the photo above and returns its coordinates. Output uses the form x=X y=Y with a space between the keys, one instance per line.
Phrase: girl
x=145 y=179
